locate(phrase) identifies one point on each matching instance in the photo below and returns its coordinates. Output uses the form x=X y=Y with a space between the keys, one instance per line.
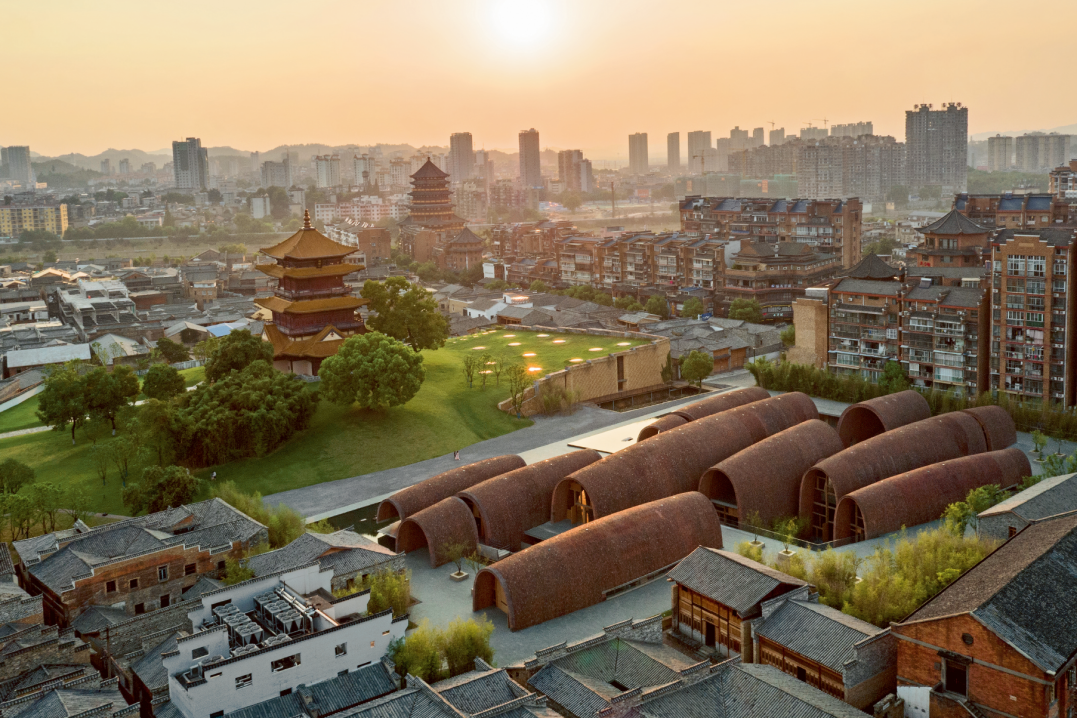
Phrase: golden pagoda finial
x=306 y=219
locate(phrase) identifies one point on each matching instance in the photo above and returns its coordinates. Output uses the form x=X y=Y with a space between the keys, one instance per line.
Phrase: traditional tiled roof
x=308 y=243
x=731 y=579
x=953 y=222
x=574 y=569
x=103 y=699
x=310 y=306
x=344 y=551
x=332 y=270
x=1007 y=591
x=96 y=618
x=479 y=690
x=202 y=586
x=872 y=267
x=1049 y=497
x=47 y=673
x=150 y=669
x=321 y=345
x=466 y=236
x=355 y=688
x=869 y=286
x=921 y=495
x=821 y=633
x=429 y=170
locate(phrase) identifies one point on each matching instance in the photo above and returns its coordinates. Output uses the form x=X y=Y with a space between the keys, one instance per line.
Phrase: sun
x=521 y=23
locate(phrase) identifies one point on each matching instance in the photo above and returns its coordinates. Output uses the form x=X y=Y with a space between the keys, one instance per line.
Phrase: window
x=220 y=565
x=199 y=653
x=189 y=569
x=140 y=609
x=244 y=681
x=283 y=664
x=162 y=573
x=165 y=600
x=134 y=583
x=1013 y=531
x=342 y=650
x=110 y=587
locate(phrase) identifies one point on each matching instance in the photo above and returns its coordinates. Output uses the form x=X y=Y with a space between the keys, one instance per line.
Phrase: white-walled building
x=260 y=207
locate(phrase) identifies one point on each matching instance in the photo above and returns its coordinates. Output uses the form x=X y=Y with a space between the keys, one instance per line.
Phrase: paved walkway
x=23 y=432
x=549 y=436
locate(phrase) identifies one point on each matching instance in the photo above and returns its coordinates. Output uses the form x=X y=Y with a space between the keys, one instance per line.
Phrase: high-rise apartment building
x=777 y=137
x=852 y=129
x=574 y=171
x=256 y=161
x=274 y=174
x=638 y=161
x=937 y=143
x=190 y=164
x=757 y=137
x=999 y=153
x=698 y=143
x=812 y=134
x=17 y=159
x=530 y=158
x=1063 y=182
x=673 y=152
x=14 y=220
x=106 y=167
x=866 y=167
x=366 y=169
x=327 y=170
x=1038 y=152
x=125 y=166
x=461 y=156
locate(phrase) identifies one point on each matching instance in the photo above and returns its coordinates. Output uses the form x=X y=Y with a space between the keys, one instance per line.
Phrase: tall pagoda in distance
x=431 y=221
x=313 y=310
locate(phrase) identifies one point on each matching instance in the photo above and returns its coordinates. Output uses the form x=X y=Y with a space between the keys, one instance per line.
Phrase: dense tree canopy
x=108 y=392
x=656 y=304
x=747 y=309
x=406 y=312
x=246 y=413
x=161 y=488
x=14 y=475
x=63 y=400
x=173 y=352
x=696 y=367
x=236 y=352
x=372 y=370
x=692 y=308
x=162 y=382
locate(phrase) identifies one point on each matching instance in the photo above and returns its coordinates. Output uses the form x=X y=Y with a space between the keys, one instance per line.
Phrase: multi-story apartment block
x=1063 y=181
x=530 y=159
x=530 y=239
x=937 y=146
x=1038 y=152
x=777 y=136
x=865 y=319
x=830 y=225
x=699 y=142
x=638 y=161
x=1033 y=314
x=766 y=161
x=17 y=159
x=1013 y=211
x=139 y=564
x=327 y=170
x=461 y=157
x=673 y=152
x=16 y=219
x=570 y=169
x=852 y=129
x=867 y=166
x=773 y=273
x=190 y=164
x=944 y=337
x=365 y=168
x=999 y=153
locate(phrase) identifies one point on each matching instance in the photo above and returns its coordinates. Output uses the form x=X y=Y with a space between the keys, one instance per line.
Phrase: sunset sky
x=83 y=77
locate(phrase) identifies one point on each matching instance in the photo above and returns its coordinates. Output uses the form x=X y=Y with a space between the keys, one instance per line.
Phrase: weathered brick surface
x=123 y=638
x=55 y=647
x=22 y=610
x=811 y=322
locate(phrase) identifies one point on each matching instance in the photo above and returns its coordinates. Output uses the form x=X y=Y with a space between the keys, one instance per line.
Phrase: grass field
x=345 y=441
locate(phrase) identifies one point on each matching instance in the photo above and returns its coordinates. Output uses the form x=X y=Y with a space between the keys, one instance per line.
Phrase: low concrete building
x=352 y=557
x=20 y=360
x=1050 y=497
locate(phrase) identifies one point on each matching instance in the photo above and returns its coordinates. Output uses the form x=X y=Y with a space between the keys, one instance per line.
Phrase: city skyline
x=515 y=55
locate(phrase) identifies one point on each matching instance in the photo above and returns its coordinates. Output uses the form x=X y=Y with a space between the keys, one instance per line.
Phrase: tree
x=747 y=309
x=427 y=271
x=519 y=381
x=246 y=413
x=204 y=349
x=538 y=286
x=656 y=304
x=49 y=256
x=696 y=367
x=173 y=352
x=418 y=653
x=470 y=365
x=667 y=369
x=235 y=572
x=465 y=640
x=101 y=460
x=284 y=524
x=372 y=370
x=789 y=335
x=14 y=475
x=454 y=552
x=154 y=428
x=406 y=312
x=161 y=488
x=571 y=201
x=498 y=367
x=108 y=392
x=390 y=589
x=628 y=303
x=63 y=401
x=893 y=378
x=236 y=351
x=163 y=382
x=959 y=515
x=692 y=308
x=124 y=453
x=485 y=362
x=48 y=499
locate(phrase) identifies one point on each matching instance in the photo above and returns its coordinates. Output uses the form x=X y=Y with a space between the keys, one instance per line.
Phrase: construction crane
x=824 y=121
x=772 y=123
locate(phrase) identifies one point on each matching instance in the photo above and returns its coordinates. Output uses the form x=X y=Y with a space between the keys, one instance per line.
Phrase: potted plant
x=455 y=552
x=1059 y=453
x=753 y=520
x=788 y=529
x=475 y=562
x=1039 y=441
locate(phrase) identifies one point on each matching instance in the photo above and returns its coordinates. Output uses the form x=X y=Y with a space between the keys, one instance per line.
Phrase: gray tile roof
x=953 y=222
x=412 y=702
x=29 y=680
x=821 y=633
x=95 y=618
x=730 y=579
x=330 y=696
x=1008 y=590
x=1050 y=497
x=477 y=691
x=202 y=586
x=72 y=702
x=351 y=552
x=869 y=286
x=150 y=668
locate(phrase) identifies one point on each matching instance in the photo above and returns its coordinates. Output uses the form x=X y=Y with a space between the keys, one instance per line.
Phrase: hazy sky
x=85 y=76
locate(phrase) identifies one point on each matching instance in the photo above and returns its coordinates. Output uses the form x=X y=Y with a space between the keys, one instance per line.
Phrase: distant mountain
x=1064 y=130
x=93 y=162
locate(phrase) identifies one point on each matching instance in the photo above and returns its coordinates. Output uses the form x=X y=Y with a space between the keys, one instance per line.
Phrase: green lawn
x=20 y=416
x=343 y=441
x=23 y=416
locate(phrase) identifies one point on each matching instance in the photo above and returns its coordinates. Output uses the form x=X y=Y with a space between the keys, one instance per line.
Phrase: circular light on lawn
x=514 y=344
x=595 y=349
x=529 y=354
x=534 y=368
x=475 y=349
x=558 y=341
x=490 y=362
x=575 y=361
x=542 y=335
x=624 y=344
x=507 y=336
x=486 y=371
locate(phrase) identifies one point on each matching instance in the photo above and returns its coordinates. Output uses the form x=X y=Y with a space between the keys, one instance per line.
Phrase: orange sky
x=82 y=77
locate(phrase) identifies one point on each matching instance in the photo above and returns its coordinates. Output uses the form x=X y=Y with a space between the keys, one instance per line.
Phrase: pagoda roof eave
x=309 y=306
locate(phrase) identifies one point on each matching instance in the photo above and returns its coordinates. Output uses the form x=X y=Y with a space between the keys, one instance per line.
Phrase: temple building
x=462 y=252
x=313 y=310
x=952 y=241
x=432 y=221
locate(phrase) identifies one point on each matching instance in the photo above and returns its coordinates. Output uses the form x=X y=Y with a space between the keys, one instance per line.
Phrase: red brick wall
x=987 y=686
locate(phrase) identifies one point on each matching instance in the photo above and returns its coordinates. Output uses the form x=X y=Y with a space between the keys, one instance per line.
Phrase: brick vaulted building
x=137 y=565
x=313 y=310
x=1002 y=638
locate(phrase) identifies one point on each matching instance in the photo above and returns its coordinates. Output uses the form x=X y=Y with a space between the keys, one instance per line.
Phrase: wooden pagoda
x=313 y=310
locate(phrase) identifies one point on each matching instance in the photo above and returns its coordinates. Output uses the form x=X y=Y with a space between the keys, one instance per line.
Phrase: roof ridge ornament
x=306 y=219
